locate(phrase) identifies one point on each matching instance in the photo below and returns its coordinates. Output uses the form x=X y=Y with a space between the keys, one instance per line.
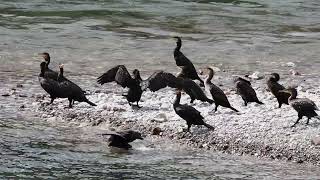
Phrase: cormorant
x=162 y=79
x=245 y=90
x=275 y=87
x=188 y=69
x=123 y=138
x=49 y=73
x=217 y=94
x=189 y=113
x=304 y=106
x=62 y=88
x=121 y=76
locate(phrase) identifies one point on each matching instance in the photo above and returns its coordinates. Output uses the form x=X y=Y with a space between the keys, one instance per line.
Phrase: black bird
x=162 y=79
x=189 y=113
x=123 y=138
x=188 y=69
x=219 y=97
x=304 y=106
x=275 y=87
x=121 y=76
x=245 y=90
x=49 y=73
x=62 y=88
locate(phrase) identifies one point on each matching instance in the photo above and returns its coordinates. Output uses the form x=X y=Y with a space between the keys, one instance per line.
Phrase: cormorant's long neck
x=42 y=71
x=60 y=75
x=177 y=100
x=209 y=78
x=48 y=62
x=177 y=49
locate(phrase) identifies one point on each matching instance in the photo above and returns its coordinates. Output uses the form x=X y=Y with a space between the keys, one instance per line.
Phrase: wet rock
x=256 y=75
x=294 y=72
x=290 y=64
x=71 y=116
x=315 y=140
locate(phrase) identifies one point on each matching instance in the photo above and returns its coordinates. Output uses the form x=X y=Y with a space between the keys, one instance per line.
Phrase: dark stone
x=19 y=86
x=300 y=161
x=22 y=106
x=225 y=147
x=6 y=95
x=156 y=131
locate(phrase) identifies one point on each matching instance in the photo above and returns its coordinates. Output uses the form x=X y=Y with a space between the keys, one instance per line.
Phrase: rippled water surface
x=89 y=36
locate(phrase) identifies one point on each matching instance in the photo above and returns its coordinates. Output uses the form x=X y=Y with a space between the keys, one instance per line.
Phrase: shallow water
x=93 y=35
x=33 y=148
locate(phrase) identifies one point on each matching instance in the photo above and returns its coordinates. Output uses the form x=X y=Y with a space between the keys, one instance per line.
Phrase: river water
x=89 y=36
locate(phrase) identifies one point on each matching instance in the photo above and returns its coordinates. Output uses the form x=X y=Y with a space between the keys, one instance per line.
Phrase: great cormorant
x=162 y=79
x=62 y=87
x=122 y=139
x=188 y=69
x=304 y=106
x=219 y=97
x=275 y=87
x=245 y=90
x=121 y=76
x=189 y=113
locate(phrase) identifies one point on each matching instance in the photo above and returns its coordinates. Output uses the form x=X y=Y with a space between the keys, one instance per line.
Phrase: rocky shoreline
x=257 y=130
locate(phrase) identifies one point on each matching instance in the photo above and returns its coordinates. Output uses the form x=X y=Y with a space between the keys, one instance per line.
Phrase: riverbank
x=258 y=130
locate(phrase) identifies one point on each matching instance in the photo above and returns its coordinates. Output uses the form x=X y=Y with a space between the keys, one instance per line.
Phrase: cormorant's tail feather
x=233 y=109
x=208 y=126
x=91 y=103
x=259 y=102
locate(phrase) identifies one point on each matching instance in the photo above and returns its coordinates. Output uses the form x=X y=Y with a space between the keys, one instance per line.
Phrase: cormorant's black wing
x=118 y=74
x=159 y=80
x=49 y=73
x=243 y=80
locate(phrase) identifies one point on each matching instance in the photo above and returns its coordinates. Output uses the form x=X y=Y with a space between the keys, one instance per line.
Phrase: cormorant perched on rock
x=162 y=79
x=189 y=113
x=218 y=95
x=275 y=87
x=121 y=76
x=62 y=88
x=245 y=90
x=123 y=138
x=304 y=106
x=188 y=69
x=49 y=73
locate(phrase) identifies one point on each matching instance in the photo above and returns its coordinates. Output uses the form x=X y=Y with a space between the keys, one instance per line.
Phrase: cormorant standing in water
x=48 y=73
x=189 y=113
x=245 y=90
x=162 y=79
x=121 y=76
x=123 y=138
x=218 y=95
x=275 y=87
x=188 y=69
x=62 y=88
x=304 y=106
